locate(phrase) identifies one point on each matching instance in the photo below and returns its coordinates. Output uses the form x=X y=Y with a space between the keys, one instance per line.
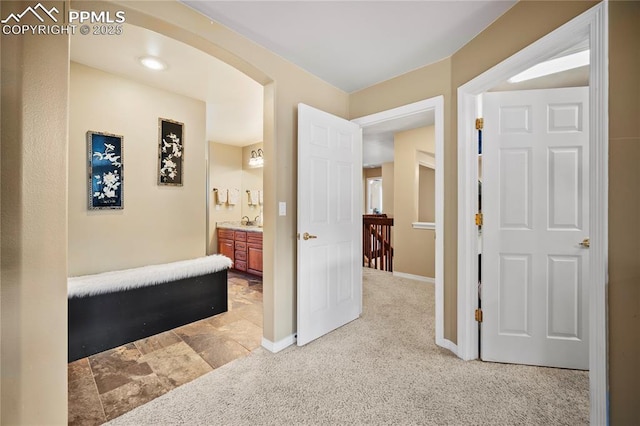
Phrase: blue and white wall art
x=106 y=171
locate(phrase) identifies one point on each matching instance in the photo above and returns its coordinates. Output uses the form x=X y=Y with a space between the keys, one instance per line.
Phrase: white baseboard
x=447 y=344
x=275 y=347
x=414 y=277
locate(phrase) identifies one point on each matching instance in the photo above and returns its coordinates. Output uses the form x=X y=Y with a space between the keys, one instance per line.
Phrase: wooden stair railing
x=376 y=242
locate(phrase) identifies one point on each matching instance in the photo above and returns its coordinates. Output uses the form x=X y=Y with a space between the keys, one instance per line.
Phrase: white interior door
x=329 y=223
x=535 y=206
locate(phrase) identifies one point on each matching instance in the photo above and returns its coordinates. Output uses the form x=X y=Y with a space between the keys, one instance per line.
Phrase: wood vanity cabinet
x=254 y=253
x=240 y=260
x=225 y=243
x=243 y=247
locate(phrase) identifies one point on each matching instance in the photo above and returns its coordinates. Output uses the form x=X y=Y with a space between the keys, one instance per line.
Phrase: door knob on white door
x=307 y=236
x=585 y=243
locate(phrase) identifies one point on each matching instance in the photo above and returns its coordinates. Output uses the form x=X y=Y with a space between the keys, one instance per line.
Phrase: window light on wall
x=553 y=66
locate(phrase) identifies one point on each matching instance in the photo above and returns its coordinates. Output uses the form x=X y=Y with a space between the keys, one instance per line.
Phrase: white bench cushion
x=110 y=282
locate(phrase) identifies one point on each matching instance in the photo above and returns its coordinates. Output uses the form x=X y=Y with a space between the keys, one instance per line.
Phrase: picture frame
x=170 y=152
x=105 y=170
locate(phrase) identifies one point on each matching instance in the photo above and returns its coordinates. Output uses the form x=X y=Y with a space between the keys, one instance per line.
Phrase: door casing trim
x=436 y=104
x=592 y=24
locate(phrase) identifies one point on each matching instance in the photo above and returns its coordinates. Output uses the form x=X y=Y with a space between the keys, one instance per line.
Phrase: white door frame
x=436 y=104
x=593 y=25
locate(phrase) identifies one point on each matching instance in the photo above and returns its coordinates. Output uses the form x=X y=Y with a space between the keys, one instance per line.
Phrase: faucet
x=243 y=221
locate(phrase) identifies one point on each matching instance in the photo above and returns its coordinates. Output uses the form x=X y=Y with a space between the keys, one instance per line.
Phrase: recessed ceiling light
x=153 y=63
x=553 y=66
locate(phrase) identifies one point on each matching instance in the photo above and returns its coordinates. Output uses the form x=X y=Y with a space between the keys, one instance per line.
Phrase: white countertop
x=237 y=226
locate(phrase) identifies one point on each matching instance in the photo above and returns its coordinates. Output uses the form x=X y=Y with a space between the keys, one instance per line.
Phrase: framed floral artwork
x=106 y=170
x=170 y=152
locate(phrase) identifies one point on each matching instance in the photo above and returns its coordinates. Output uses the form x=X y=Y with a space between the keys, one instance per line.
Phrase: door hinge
x=478 y=315
x=479 y=123
x=478 y=219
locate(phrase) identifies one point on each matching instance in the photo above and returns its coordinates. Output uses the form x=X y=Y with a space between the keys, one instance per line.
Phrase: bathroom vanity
x=242 y=244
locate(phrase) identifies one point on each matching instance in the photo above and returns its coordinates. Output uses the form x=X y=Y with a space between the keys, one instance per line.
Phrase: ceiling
x=355 y=44
x=378 y=138
x=234 y=101
x=350 y=44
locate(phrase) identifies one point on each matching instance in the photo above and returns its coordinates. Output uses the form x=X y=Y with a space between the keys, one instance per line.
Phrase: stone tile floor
x=109 y=384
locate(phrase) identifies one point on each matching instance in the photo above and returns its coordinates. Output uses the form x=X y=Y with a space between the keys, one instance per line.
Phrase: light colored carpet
x=383 y=368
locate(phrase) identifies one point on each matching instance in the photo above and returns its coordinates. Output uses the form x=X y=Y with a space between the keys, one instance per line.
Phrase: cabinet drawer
x=225 y=247
x=254 y=237
x=241 y=255
x=254 y=260
x=227 y=234
x=240 y=236
x=241 y=245
x=240 y=265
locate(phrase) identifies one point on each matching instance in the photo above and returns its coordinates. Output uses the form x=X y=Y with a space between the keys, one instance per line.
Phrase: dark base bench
x=103 y=321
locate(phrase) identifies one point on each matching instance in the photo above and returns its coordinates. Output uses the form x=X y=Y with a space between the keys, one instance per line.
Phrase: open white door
x=535 y=201
x=329 y=223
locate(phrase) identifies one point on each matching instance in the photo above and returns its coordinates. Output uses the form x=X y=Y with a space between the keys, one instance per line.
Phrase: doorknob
x=307 y=236
x=585 y=243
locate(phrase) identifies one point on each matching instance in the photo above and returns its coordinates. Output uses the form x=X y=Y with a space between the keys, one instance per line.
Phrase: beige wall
x=372 y=172
x=34 y=107
x=35 y=390
x=427 y=195
x=624 y=210
x=225 y=171
x=286 y=85
x=33 y=293
x=414 y=249
x=523 y=24
x=387 y=193
x=251 y=179
x=424 y=83
x=387 y=189
x=520 y=26
x=158 y=223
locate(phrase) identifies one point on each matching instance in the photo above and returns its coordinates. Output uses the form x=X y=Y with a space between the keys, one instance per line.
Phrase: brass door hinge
x=479 y=315
x=478 y=219
x=479 y=123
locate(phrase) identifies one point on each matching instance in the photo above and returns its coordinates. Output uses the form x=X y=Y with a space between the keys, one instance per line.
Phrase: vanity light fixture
x=553 y=66
x=153 y=63
x=257 y=158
